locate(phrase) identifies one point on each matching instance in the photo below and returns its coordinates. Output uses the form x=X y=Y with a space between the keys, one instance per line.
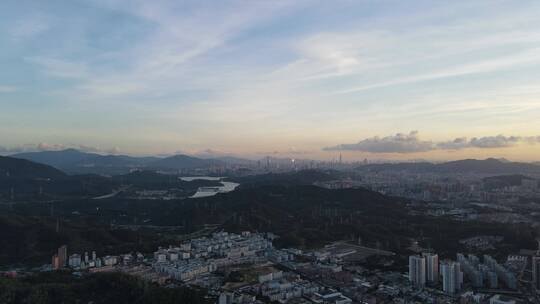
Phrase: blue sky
x=304 y=78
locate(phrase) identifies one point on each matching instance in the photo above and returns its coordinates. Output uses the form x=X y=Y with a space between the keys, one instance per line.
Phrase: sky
x=369 y=79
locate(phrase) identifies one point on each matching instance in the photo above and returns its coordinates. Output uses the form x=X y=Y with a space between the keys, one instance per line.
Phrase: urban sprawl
x=328 y=275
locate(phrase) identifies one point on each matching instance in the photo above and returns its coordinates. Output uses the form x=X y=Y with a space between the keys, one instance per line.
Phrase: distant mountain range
x=74 y=161
x=24 y=179
x=486 y=166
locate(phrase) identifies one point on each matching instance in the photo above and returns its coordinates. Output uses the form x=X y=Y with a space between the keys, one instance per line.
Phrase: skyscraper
x=536 y=269
x=62 y=255
x=432 y=267
x=55 y=262
x=536 y=273
x=417 y=271
x=59 y=259
x=452 y=277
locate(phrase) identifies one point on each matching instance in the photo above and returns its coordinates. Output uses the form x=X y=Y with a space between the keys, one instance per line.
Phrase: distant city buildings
x=205 y=255
x=432 y=267
x=91 y=262
x=529 y=184
x=425 y=268
x=503 y=274
x=536 y=273
x=75 y=260
x=417 y=271
x=59 y=259
x=452 y=277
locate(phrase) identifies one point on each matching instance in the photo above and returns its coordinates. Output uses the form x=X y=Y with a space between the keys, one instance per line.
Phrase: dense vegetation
x=31 y=240
x=13 y=168
x=287 y=204
x=150 y=180
x=303 y=216
x=74 y=161
x=23 y=180
x=99 y=288
x=303 y=177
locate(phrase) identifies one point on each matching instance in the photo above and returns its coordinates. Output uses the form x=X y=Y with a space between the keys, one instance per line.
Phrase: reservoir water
x=211 y=191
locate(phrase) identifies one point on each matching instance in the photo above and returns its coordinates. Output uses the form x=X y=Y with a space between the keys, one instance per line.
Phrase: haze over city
x=306 y=79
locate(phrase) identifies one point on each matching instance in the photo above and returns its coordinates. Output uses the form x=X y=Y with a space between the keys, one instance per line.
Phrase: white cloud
x=499 y=141
x=527 y=57
x=456 y=144
x=398 y=143
x=94 y=149
x=50 y=147
x=411 y=143
x=485 y=142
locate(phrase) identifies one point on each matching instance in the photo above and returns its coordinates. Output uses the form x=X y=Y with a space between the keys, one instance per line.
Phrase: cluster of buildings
x=426 y=269
x=199 y=258
x=277 y=287
x=320 y=296
x=91 y=262
x=427 y=274
x=461 y=188
x=423 y=269
x=205 y=255
x=331 y=275
x=196 y=260
x=536 y=272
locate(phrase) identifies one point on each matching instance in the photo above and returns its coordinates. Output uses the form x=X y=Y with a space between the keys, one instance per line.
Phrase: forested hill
x=14 y=168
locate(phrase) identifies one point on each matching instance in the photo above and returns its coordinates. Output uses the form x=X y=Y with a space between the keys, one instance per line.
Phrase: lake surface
x=211 y=191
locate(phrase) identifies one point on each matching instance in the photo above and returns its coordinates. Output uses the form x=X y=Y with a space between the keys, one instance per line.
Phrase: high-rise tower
x=417 y=271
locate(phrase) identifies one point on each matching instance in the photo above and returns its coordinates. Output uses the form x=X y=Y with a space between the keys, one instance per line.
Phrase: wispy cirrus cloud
x=531 y=56
x=60 y=67
x=173 y=58
x=182 y=74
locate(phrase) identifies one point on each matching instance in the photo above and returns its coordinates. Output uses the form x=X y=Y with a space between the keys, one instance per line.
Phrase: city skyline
x=302 y=79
